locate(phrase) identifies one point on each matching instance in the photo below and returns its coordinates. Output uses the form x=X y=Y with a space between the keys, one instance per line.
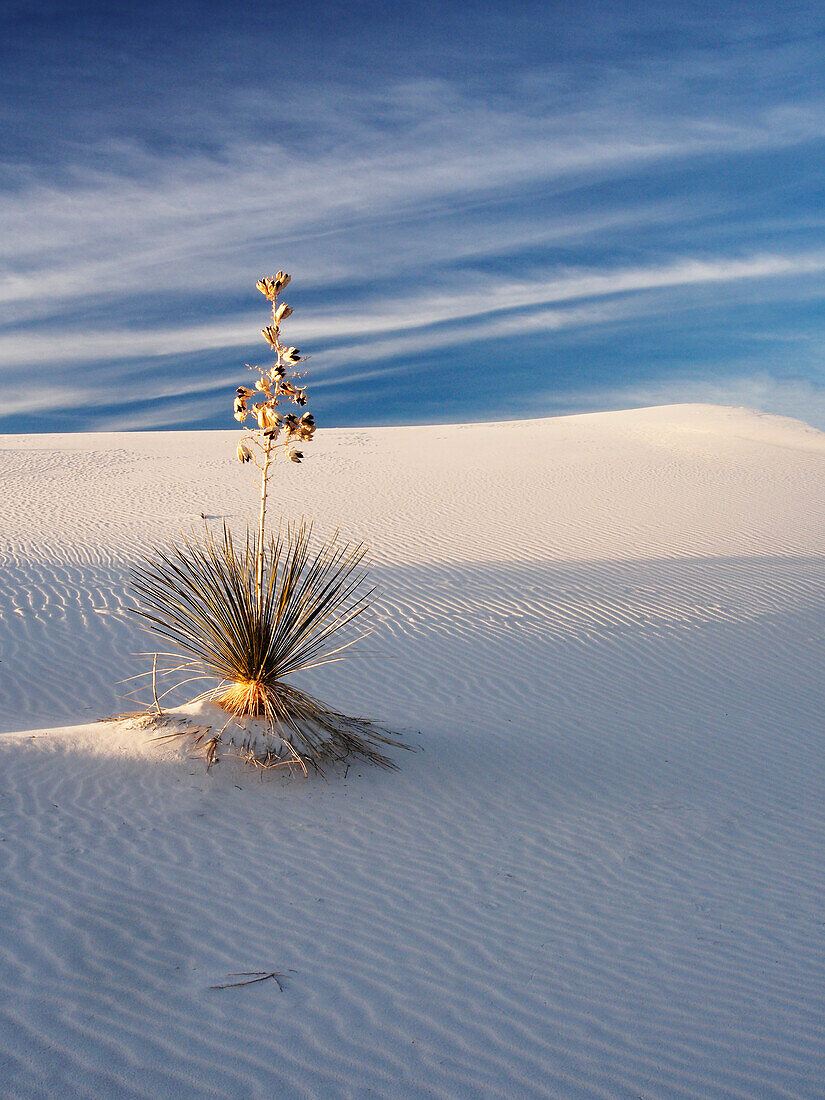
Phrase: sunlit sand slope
x=601 y=875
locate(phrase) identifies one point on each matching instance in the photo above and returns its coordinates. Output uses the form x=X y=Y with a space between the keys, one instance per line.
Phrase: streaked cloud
x=411 y=314
x=580 y=207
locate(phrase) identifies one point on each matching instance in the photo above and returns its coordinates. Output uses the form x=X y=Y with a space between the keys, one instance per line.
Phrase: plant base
x=294 y=727
x=247 y=699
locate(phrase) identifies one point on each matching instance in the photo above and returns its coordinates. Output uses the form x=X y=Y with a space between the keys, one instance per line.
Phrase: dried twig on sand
x=251 y=977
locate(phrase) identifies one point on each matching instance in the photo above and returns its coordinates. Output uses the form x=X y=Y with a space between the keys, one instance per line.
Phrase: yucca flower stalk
x=274 y=433
x=245 y=615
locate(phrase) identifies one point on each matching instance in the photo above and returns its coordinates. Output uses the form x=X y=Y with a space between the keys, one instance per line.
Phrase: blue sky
x=490 y=210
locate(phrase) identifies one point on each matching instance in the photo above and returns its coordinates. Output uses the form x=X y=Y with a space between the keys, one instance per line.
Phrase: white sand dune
x=600 y=876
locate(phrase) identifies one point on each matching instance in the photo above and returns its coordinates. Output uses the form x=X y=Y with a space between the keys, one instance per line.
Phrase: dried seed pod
x=272 y=287
x=270 y=334
x=295 y=456
x=291 y=355
x=282 y=312
x=266 y=417
x=243 y=452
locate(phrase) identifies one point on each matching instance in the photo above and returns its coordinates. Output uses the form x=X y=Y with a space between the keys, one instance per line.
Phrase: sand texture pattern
x=601 y=873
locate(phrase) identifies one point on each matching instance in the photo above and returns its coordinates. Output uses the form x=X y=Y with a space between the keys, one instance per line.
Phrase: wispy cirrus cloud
x=161 y=222
x=594 y=196
x=410 y=314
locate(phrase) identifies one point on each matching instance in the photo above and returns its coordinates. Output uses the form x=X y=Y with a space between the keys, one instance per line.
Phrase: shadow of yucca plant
x=250 y=615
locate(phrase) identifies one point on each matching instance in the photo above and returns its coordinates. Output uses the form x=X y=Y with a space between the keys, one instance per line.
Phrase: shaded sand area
x=602 y=873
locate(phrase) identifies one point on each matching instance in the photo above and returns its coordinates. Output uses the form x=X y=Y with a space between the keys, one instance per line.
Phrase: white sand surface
x=602 y=873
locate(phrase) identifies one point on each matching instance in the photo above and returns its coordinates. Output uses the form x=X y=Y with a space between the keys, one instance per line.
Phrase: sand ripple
x=600 y=876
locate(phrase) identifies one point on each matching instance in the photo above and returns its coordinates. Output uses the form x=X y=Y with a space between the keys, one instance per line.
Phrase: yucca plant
x=203 y=596
x=248 y=615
